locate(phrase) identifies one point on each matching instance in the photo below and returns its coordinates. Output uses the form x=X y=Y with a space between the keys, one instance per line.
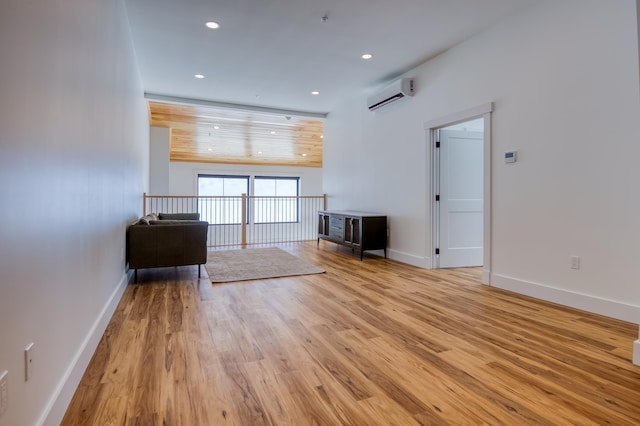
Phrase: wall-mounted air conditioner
x=396 y=90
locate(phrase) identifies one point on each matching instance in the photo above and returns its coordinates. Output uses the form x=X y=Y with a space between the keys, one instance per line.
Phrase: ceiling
x=208 y=134
x=274 y=53
x=267 y=57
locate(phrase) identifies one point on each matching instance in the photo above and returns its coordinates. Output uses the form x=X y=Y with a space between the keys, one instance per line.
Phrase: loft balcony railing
x=247 y=220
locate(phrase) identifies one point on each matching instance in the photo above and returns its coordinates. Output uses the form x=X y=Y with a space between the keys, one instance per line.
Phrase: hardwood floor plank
x=271 y=392
x=242 y=395
x=387 y=412
x=380 y=377
x=549 y=396
x=452 y=399
x=580 y=374
x=370 y=343
x=310 y=407
x=347 y=376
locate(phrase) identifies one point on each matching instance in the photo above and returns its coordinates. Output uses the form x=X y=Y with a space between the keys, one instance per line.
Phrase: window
x=272 y=210
x=222 y=211
x=225 y=205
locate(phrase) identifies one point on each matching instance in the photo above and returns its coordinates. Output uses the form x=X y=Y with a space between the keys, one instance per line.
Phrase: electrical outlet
x=28 y=361
x=575 y=262
x=4 y=392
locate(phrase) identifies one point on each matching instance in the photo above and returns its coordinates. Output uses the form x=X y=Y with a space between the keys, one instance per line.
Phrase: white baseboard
x=585 y=302
x=636 y=352
x=422 y=262
x=57 y=406
x=486 y=276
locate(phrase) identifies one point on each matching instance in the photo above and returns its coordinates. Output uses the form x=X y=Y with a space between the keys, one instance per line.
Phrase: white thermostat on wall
x=510 y=157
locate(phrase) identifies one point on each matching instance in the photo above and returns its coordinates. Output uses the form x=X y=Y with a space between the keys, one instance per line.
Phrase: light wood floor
x=367 y=343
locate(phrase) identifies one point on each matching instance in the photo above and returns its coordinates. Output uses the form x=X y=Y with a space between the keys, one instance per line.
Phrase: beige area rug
x=255 y=264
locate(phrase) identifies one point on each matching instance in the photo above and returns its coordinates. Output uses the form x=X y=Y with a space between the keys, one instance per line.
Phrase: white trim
x=227 y=105
x=433 y=135
x=486 y=276
x=409 y=259
x=486 y=198
x=481 y=111
x=59 y=401
x=585 y=302
x=636 y=352
x=459 y=117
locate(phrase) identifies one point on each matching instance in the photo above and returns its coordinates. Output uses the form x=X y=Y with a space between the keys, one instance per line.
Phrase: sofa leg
x=135 y=276
x=199 y=271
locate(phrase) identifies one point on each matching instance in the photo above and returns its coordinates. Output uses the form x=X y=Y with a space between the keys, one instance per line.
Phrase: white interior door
x=461 y=201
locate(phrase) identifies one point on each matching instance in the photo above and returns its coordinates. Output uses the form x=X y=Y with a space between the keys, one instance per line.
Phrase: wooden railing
x=245 y=220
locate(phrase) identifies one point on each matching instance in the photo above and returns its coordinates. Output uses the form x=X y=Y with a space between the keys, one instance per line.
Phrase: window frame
x=223 y=176
x=252 y=206
x=297 y=200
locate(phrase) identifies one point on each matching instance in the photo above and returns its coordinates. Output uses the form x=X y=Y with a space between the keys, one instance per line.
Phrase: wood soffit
x=220 y=135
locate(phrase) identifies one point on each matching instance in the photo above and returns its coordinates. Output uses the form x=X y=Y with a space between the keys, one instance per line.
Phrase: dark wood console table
x=358 y=230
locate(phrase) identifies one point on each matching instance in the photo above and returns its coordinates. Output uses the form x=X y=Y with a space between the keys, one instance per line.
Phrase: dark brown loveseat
x=167 y=240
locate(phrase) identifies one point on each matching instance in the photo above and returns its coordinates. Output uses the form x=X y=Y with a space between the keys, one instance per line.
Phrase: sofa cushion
x=173 y=222
x=179 y=216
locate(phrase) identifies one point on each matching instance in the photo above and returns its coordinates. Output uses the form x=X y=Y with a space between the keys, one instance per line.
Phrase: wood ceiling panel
x=218 y=135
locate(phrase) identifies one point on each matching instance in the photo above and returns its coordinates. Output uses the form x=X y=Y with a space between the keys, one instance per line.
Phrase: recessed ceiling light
x=259 y=152
x=367 y=56
x=198 y=76
x=216 y=127
x=210 y=149
x=213 y=25
x=315 y=92
x=304 y=155
x=273 y=132
x=321 y=136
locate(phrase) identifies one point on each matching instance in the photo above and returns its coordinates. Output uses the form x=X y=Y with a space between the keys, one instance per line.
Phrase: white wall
x=159 y=148
x=73 y=166
x=636 y=347
x=563 y=77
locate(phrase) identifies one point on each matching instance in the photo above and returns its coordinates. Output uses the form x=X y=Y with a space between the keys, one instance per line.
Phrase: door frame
x=431 y=127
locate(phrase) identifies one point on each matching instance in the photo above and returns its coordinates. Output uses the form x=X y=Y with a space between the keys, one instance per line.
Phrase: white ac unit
x=396 y=90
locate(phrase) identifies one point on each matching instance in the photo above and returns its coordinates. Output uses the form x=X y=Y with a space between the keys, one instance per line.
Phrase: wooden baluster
x=244 y=220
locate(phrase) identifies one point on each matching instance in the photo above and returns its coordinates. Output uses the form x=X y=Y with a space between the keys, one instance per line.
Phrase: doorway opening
x=460 y=190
